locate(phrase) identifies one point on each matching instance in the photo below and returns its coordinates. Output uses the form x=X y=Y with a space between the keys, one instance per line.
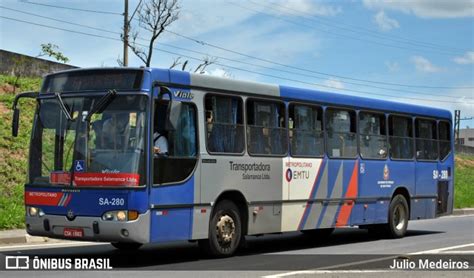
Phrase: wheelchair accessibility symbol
x=79 y=166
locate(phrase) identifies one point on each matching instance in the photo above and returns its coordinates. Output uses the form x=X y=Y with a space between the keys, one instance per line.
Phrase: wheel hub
x=399 y=217
x=225 y=229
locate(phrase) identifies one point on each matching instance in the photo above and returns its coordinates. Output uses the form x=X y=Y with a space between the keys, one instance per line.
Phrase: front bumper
x=108 y=231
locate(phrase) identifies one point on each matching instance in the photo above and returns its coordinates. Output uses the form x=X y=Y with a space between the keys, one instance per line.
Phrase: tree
x=201 y=68
x=153 y=16
x=52 y=50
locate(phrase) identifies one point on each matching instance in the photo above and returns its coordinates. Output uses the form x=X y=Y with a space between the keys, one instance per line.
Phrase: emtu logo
x=17 y=262
x=289 y=175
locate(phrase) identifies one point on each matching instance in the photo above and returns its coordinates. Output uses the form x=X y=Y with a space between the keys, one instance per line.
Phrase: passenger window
x=373 y=138
x=341 y=133
x=400 y=132
x=444 y=139
x=266 y=130
x=224 y=124
x=179 y=160
x=426 y=143
x=306 y=130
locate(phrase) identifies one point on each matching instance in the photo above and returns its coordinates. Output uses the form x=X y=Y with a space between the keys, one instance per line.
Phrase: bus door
x=445 y=169
x=427 y=173
x=174 y=187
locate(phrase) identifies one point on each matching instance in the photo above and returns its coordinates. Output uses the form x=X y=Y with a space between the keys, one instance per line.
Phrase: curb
x=20 y=236
x=464 y=211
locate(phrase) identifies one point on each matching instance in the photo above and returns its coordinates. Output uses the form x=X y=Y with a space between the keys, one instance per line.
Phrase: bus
x=236 y=159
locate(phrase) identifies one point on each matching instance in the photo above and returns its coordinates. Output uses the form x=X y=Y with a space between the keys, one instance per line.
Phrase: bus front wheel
x=225 y=230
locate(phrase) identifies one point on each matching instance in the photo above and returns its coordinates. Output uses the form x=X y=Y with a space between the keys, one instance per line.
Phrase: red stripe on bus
x=69 y=197
x=43 y=198
x=346 y=208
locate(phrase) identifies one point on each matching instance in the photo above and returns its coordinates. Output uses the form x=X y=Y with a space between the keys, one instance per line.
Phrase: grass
x=14 y=151
x=14 y=154
x=464 y=181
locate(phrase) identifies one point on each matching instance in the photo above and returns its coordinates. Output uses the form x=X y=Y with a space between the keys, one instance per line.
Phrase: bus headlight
x=34 y=211
x=120 y=215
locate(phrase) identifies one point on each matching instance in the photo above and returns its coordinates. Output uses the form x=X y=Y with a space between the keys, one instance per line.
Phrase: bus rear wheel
x=126 y=246
x=225 y=231
x=398 y=215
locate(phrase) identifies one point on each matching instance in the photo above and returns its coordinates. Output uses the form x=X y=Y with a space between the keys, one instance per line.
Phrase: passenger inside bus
x=160 y=139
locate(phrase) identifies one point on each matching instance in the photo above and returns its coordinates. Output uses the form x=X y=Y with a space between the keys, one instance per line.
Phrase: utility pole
x=457 y=118
x=125 y=35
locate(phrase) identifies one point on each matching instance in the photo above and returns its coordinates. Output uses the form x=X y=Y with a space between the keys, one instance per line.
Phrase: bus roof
x=187 y=79
x=287 y=92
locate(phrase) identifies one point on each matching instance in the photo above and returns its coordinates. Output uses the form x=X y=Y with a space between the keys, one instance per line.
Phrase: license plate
x=73 y=232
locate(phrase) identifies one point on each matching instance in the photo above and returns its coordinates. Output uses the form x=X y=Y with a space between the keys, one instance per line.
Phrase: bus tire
x=126 y=246
x=225 y=231
x=398 y=215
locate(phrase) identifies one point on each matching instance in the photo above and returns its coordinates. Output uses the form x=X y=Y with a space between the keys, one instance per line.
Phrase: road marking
x=327 y=270
x=439 y=250
x=47 y=245
x=303 y=272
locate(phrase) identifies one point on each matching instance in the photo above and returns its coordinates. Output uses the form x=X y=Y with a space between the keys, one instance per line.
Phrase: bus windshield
x=102 y=149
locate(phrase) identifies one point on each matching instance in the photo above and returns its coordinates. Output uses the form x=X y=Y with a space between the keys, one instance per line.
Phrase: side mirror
x=16 y=111
x=174 y=109
x=15 y=122
x=174 y=113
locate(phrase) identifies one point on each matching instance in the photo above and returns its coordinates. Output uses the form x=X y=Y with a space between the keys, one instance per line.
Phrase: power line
x=357 y=29
x=312 y=71
x=335 y=34
x=225 y=58
x=223 y=65
x=69 y=8
x=201 y=42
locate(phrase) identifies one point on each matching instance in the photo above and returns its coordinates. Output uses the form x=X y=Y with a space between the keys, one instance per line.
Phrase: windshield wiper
x=101 y=104
x=63 y=106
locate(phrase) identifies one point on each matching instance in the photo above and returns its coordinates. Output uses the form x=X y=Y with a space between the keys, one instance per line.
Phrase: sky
x=414 y=51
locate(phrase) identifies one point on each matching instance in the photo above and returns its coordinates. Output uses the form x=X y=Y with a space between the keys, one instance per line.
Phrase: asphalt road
x=346 y=251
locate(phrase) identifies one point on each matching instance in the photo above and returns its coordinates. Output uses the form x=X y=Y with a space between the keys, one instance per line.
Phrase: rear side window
x=426 y=139
x=444 y=130
x=400 y=131
x=341 y=133
x=266 y=130
x=306 y=130
x=373 y=137
x=224 y=124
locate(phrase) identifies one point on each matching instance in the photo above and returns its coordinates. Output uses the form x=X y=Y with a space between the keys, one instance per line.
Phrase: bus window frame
x=274 y=100
x=411 y=118
x=385 y=115
x=436 y=139
x=323 y=130
x=343 y=108
x=244 y=118
x=152 y=158
x=450 y=140
x=92 y=93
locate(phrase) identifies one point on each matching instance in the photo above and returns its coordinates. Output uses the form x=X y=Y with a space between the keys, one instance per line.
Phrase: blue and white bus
x=237 y=159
